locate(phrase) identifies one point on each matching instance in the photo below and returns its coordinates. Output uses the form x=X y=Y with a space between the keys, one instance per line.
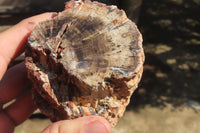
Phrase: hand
x=89 y=124
x=14 y=81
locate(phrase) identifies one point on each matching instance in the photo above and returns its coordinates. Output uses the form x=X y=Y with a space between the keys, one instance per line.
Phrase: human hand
x=89 y=124
x=14 y=81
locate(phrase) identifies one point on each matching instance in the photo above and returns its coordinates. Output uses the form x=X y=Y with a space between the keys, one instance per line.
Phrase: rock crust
x=88 y=60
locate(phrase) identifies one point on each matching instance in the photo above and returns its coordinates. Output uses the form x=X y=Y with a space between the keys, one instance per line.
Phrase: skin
x=14 y=80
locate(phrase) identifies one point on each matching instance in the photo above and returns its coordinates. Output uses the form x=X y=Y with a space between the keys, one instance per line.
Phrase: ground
x=168 y=97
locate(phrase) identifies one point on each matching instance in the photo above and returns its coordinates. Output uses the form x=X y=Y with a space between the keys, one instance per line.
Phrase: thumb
x=89 y=124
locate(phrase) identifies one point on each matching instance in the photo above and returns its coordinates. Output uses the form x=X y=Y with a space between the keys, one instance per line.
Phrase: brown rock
x=86 y=61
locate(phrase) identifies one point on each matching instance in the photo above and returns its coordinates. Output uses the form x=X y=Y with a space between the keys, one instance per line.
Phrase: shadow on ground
x=172 y=45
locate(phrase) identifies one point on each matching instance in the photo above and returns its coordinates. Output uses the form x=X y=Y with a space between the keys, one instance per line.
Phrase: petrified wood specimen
x=88 y=60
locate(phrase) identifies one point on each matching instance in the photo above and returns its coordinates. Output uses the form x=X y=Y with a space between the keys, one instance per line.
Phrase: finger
x=91 y=124
x=6 y=125
x=12 y=41
x=18 y=112
x=13 y=83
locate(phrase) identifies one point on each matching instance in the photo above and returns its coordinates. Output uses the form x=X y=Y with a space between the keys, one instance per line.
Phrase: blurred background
x=168 y=97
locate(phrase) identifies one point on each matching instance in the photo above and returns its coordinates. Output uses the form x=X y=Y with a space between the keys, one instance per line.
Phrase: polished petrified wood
x=88 y=60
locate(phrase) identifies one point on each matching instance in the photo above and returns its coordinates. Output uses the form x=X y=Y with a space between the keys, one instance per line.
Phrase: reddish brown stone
x=86 y=61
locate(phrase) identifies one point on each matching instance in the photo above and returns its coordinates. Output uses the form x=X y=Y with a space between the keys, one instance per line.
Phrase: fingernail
x=95 y=127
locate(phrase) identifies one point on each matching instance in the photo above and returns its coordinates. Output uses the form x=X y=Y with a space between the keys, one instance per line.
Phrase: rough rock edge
x=132 y=81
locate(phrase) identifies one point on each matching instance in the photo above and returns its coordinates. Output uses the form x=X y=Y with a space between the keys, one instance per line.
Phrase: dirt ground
x=168 y=97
